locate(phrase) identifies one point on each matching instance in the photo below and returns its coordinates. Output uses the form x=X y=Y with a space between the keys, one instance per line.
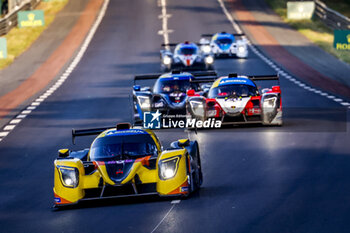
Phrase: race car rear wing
x=96 y=131
x=235 y=34
x=206 y=77
x=87 y=132
x=203 y=73
x=170 y=44
x=156 y=76
x=146 y=77
x=264 y=77
x=174 y=44
x=204 y=80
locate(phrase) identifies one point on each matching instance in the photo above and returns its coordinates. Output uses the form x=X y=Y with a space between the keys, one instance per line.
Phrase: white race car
x=224 y=44
x=186 y=56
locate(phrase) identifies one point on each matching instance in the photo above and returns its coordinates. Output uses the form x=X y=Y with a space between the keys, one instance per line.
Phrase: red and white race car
x=237 y=99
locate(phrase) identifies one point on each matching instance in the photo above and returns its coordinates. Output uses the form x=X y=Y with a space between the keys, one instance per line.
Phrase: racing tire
x=198 y=180
x=200 y=177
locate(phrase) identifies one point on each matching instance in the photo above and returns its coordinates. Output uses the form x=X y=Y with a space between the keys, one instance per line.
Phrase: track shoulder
x=330 y=77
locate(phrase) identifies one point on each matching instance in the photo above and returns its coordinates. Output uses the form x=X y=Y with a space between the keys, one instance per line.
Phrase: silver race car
x=186 y=56
x=224 y=44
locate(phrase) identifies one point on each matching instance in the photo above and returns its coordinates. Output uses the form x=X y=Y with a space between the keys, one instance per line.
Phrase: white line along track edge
x=12 y=124
x=276 y=67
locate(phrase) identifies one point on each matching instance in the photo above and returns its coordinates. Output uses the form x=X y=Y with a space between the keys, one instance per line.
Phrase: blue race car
x=224 y=44
x=186 y=56
x=169 y=92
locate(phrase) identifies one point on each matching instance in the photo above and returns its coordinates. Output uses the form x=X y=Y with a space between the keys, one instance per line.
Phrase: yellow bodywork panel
x=165 y=187
x=67 y=194
x=216 y=83
x=145 y=175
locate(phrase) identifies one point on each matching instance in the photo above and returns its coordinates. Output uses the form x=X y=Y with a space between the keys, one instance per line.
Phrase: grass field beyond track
x=314 y=29
x=20 y=39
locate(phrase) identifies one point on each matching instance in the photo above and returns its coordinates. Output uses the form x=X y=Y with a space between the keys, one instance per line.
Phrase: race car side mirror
x=137 y=87
x=146 y=89
x=63 y=153
x=276 y=88
x=183 y=142
x=191 y=92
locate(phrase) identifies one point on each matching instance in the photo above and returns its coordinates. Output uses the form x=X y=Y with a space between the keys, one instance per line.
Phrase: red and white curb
x=13 y=123
x=276 y=67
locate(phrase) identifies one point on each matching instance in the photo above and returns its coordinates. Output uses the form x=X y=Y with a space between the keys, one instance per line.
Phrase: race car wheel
x=192 y=179
x=197 y=171
x=200 y=181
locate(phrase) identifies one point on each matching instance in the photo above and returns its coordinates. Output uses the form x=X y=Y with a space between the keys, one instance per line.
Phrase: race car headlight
x=206 y=48
x=168 y=167
x=69 y=176
x=166 y=60
x=145 y=102
x=241 y=48
x=211 y=113
x=159 y=104
x=209 y=60
x=269 y=104
x=197 y=108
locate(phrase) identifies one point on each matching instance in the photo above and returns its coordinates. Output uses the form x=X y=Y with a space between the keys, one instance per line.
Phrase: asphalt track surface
x=293 y=178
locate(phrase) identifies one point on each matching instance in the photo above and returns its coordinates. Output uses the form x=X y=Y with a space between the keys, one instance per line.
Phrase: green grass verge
x=20 y=39
x=313 y=29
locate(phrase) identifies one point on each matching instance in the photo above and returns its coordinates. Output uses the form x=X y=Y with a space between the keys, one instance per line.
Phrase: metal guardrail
x=330 y=17
x=10 y=20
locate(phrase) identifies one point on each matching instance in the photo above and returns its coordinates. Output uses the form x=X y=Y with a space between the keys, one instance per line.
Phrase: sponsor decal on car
x=119 y=172
x=184 y=189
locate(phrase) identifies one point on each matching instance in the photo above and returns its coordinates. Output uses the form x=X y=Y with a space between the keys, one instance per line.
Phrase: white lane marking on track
x=173 y=204
x=175 y=201
x=9 y=127
x=26 y=112
x=65 y=74
x=35 y=104
x=15 y=121
x=161 y=32
x=3 y=134
x=165 y=32
x=164 y=16
x=21 y=116
x=267 y=60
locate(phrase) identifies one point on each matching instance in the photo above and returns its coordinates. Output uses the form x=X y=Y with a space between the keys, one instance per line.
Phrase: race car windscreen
x=187 y=51
x=122 y=147
x=169 y=86
x=224 y=41
x=233 y=91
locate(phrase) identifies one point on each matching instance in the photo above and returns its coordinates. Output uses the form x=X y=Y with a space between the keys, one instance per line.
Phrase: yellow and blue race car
x=124 y=161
